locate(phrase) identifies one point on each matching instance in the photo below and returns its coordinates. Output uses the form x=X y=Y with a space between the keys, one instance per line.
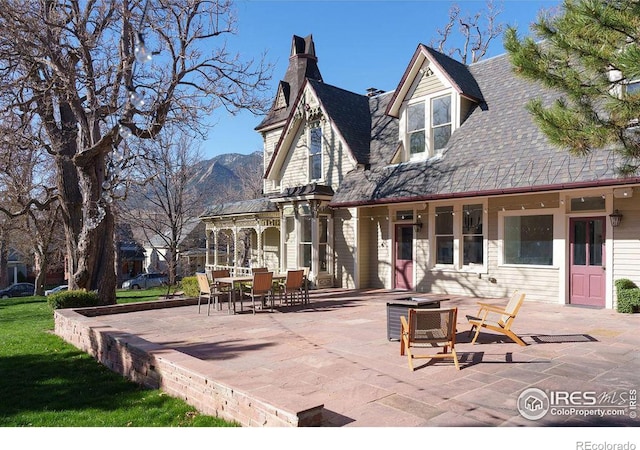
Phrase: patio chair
x=292 y=287
x=429 y=328
x=206 y=291
x=497 y=318
x=261 y=287
x=222 y=288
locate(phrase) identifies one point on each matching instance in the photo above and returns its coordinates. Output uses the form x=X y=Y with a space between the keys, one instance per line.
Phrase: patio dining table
x=235 y=284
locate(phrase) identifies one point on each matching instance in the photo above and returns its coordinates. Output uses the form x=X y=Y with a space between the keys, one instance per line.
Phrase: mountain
x=228 y=177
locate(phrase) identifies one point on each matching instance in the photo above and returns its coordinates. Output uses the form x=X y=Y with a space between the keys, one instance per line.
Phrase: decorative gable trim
x=303 y=112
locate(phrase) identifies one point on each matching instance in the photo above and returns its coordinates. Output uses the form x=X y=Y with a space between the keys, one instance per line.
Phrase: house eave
x=490 y=192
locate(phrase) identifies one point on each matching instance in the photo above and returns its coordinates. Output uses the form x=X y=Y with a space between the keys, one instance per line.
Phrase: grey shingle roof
x=459 y=74
x=303 y=64
x=257 y=205
x=350 y=113
x=498 y=149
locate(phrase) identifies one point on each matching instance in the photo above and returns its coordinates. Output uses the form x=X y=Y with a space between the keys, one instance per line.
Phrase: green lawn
x=45 y=382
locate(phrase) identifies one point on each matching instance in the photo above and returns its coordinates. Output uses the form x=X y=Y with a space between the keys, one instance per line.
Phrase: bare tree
x=81 y=72
x=161 y=203
x=477 y=32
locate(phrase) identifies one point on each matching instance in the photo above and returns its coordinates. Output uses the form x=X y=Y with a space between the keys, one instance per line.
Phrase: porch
x=332 y=360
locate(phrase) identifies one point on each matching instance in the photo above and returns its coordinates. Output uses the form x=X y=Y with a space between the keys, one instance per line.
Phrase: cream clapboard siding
x=374 y=248
x=539 y=283
x=344 y=243
x=336 y=160
x=626 y=241
x=425 y=86
x=271 y=246
x=270 y=140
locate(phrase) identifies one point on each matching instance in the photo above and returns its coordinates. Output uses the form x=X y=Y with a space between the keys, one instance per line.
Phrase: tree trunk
x=40 y=267
x=89 y=234
x=4 y=259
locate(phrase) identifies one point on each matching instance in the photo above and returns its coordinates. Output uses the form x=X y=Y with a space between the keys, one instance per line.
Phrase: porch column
x=207 y=246
x=215 y=247
x=235 y=245
x=259 y=244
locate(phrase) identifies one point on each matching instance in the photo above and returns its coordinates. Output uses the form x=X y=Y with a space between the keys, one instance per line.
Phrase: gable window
x=315 y=153
x=440 y=123
x=415 y=128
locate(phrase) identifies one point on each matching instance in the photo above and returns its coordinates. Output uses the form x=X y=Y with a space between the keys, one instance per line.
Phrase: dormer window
x=315 y=152
x=429 y=125
x=415 y=129
x=440 y=123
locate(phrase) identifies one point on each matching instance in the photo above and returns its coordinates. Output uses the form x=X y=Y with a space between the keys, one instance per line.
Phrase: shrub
x=628 y=296
x=190 y=286
x=72 y=299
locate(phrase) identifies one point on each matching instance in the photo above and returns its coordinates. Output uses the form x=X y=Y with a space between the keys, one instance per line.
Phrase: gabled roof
x=457 y=74
x=498 y=149
x=253 y=206
x=348 y=113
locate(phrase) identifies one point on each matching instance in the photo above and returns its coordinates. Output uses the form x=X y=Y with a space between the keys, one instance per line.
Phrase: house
x=191 y=250
x=444 y=185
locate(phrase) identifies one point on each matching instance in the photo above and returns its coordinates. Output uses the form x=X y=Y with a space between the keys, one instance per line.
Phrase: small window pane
x=587 y=204
x=444 y=249
x=441 y=110
x=415 y=114
x=306 y=229
x=323 y=232
x=416 y=142
x=404 y=215
x=441 y=137
x=473 y=249
x=444 y=220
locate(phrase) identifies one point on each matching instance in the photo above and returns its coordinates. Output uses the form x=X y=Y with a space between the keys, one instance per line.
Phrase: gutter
x=490 y=192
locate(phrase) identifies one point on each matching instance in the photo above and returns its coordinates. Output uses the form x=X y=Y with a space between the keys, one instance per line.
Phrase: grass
x=45 y=382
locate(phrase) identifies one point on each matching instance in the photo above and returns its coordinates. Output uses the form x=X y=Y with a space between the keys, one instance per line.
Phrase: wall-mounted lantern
x=615 y=218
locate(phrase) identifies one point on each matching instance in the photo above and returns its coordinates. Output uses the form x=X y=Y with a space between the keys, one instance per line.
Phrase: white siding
x=626 y=240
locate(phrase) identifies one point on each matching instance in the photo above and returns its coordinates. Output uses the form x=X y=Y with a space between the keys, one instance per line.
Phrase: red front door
x=586 y=272
x=403 y=257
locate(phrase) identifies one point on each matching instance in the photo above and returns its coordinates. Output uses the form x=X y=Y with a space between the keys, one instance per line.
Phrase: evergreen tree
x=588 y=52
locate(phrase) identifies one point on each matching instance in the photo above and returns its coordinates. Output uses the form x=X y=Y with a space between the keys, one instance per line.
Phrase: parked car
x=146 y=280
x=55 y=290
x=18 y=290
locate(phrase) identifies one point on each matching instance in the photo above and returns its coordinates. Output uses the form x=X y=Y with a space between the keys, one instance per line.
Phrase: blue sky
x=359 y=44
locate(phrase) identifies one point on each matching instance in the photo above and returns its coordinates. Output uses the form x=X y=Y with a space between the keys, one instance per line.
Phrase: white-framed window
x=429 y=124
x=444 y=235
x=306 y=241
x=315 y=152
x=472 y=234
x=416 y=129
x=323 y=242
x=459 y=235
x=528 y=239
x=440 y=123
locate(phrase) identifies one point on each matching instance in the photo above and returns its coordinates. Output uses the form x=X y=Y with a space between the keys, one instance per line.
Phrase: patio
x=330 y=363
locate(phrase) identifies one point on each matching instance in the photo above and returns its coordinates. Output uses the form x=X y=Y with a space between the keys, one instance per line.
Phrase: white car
x=55 y=290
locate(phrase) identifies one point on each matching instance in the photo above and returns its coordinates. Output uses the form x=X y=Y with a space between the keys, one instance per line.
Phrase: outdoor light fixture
x=615 y=218
x=418 y=226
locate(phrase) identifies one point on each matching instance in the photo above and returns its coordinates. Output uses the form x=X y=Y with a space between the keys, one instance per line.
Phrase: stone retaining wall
x=178 y=374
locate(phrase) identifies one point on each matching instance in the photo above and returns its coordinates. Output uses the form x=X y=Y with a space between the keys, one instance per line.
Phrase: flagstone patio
x=330 y=363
